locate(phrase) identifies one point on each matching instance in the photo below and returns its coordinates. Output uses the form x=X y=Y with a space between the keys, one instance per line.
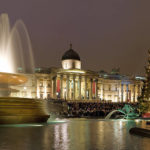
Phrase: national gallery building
x=71 y=83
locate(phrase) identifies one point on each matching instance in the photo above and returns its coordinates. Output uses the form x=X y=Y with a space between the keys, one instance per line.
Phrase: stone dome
x=71 y=59
x=71 y=54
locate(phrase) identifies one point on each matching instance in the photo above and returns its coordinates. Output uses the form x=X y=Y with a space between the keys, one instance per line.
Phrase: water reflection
x=73 y=134
x=61 y=138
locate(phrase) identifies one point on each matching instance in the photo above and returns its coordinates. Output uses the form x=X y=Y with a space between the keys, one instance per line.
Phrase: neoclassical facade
x=74 y=84
x=117 y=88
x=71 y=82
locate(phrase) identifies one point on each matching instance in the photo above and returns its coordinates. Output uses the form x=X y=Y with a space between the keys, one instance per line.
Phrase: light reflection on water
x=73 y=134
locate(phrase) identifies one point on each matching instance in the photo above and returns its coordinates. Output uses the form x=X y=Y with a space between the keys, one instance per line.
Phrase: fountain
x=16 y=51
x=127 y=111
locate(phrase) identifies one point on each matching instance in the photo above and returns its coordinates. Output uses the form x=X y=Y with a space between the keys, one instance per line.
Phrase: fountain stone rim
x=12 y=78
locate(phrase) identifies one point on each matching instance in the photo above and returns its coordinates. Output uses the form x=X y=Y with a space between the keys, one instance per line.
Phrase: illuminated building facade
x=119 y=88
x=70 y=82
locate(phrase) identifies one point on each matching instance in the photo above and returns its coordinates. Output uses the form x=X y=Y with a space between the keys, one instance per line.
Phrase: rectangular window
x=48 y=96
x=116 y=87
x=41 y=84
x=41 y=96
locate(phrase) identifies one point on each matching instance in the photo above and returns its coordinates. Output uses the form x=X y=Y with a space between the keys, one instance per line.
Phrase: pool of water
x=74 y=134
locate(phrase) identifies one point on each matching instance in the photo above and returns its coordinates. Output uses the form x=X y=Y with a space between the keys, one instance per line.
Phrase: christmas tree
x=144 y=99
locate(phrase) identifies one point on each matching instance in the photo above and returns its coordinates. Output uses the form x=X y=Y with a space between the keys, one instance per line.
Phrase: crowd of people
x=81 y=109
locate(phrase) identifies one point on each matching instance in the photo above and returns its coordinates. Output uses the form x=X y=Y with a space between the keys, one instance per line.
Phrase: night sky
x=105 y=33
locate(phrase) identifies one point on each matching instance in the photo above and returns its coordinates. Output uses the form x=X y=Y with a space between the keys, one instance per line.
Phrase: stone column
x=104 y=91
x=56 y=87
x=96 y=88
x=127 y=90
x=134 y=93
x=67 y=88
x=101 y=86
x=85 y=88
x=61 y=87
x=52 y=88
x=74 y=88
x=91 y=95
x=118 y=89
x=79 y=87
x=121 y=92
x=138 y=90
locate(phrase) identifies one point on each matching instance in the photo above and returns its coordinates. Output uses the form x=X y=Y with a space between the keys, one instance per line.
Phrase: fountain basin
x=12 y=79
x=14 y=110
x=8 y=79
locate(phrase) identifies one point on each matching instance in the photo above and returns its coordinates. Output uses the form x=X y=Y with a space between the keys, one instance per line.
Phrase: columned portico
x=74 y=87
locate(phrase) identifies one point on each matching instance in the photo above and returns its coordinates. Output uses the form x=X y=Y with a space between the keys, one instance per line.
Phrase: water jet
x=16 y=51
x=127 y=112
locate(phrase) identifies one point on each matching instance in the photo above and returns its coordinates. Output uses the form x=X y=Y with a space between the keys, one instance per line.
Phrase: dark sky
x=105 y=33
